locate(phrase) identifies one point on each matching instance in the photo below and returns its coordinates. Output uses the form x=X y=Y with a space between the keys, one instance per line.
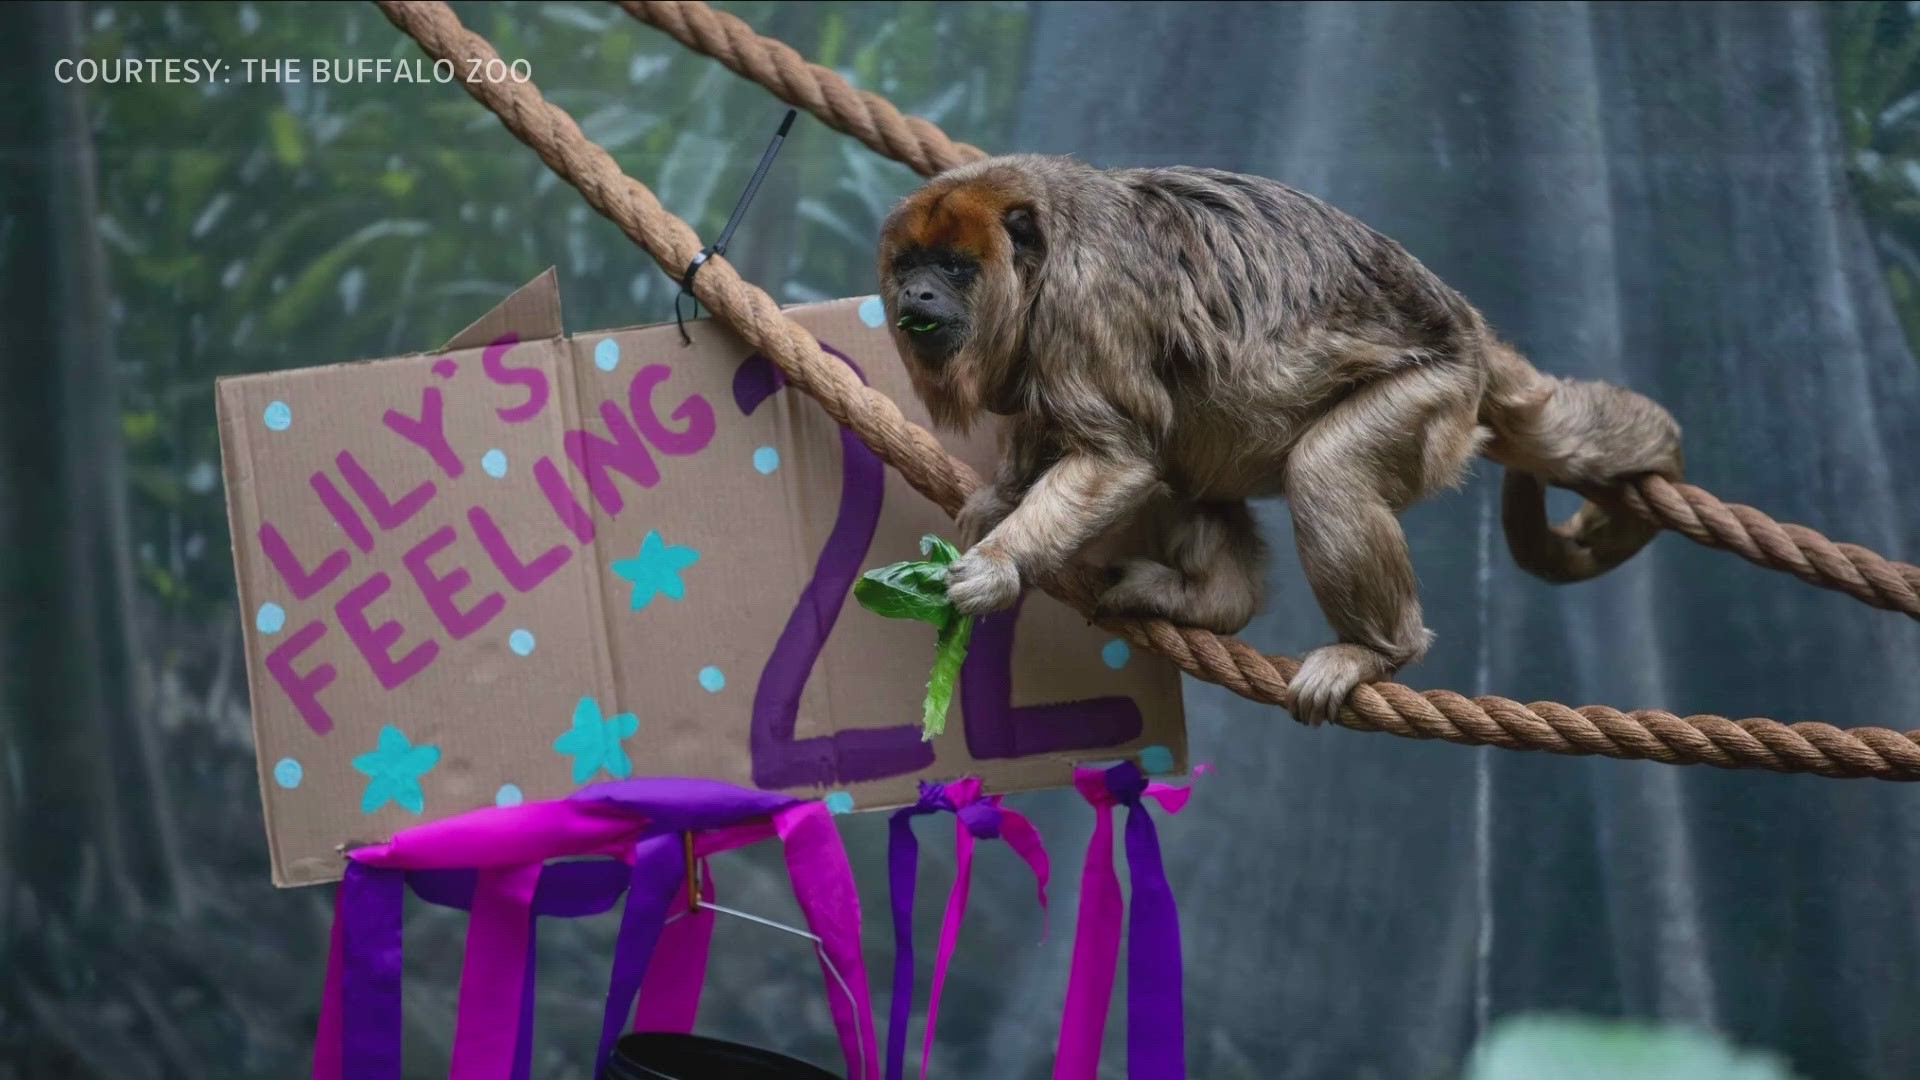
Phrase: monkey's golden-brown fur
x=1172 y=342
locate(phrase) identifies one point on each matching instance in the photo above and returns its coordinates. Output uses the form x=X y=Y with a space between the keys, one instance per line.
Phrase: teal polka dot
x=270 y=618
x=765 y=460
x=712 y=680
x=508 y=795
x=494 y=464
x=839 y=802
x=872 y=311
x=606 y=355
x=1156 y=760
x=287 y=773
x=521 y=642
x=1116 y=654
x=278 y=417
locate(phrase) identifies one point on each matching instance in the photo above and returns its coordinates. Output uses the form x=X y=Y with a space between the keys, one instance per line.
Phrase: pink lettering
x=300 y=582
x=389 y=515
x=303 y=690
x=342 y=511
x=494 y=360
x=524 y=577
x=560 y=497
x=625 y=454
x=376 y=643
x=429 y=432
x=692 y=438
x=440 y=591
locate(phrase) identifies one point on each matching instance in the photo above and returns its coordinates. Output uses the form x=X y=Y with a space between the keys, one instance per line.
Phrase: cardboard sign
x=528 y=562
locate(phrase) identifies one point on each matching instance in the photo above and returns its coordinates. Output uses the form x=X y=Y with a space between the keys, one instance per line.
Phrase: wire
x=819 y=948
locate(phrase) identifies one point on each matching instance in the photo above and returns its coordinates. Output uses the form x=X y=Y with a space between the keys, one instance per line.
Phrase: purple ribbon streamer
x=982 y=819
x=371 y=901
x=1156 y=1021
x=569 y=890
x=678 y=805
x=903 y=860
x=658 y=871
x=523 y=1038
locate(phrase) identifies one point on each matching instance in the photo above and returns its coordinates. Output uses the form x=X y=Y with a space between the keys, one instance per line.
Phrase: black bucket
x=660 y=1056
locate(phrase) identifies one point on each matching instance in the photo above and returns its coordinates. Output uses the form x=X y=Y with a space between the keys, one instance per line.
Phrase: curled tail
x=1584 y=436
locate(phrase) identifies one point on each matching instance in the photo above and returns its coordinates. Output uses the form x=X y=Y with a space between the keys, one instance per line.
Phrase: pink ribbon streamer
x=330 y=1043
x=823 y=884
x=497 y=837
x=670 y=995
x=1096 y=938
x=497 y=936
x=1023 y=838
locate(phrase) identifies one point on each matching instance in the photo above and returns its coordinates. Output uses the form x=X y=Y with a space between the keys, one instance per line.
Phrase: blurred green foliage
x=1581 y=1048
x=1876 y=71
x=270 y=225
x=285 y=224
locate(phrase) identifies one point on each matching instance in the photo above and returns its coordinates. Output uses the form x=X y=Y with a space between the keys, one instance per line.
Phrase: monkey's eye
x=958 y=271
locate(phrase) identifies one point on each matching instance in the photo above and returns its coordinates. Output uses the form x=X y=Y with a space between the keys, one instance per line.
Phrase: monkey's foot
x=981 y=582
x=1144 y=589
x=1328 y=675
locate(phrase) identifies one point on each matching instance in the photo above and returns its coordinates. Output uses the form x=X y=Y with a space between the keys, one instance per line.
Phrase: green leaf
x=1578 y=1048
x=907 y=590
x=138 y=427
x=949 y=654
x=315 y=285
x=833 y=36
x=918 y=590
x=288 y=146
x=938 y=550
x=397 y=183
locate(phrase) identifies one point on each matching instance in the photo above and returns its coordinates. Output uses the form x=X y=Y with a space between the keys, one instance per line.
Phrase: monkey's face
x=956 y=259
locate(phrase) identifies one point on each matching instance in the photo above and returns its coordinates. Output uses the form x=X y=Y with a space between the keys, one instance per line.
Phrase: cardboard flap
x=532 y=313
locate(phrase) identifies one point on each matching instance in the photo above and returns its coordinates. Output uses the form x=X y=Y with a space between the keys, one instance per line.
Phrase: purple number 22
x=995 y=728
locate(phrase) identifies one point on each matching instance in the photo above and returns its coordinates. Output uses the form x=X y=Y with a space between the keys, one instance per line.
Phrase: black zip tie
x=719 y=247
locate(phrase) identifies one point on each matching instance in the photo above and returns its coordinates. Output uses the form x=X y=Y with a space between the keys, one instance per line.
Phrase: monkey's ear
x=1023 y=228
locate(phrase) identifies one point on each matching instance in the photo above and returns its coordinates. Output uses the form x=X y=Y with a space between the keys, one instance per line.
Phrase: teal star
x=594 y=742
x=395 y=770
x=656 y=570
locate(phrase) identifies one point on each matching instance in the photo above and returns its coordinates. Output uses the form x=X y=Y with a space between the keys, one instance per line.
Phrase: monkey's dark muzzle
x=933 y=333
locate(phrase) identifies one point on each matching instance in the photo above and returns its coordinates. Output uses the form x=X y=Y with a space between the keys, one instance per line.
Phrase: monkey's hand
x=983 y=581
x=984 y=509
x=1328 y=675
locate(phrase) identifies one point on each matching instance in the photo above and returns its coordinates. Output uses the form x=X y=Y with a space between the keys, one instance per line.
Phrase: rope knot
x=933 y=796
x=982 y=819
x=1126 y=783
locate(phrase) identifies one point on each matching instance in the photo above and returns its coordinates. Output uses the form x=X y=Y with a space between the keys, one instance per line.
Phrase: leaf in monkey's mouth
x=918 y=326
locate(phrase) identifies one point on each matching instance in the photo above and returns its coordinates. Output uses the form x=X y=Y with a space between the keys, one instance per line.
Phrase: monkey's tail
x=1583 y=436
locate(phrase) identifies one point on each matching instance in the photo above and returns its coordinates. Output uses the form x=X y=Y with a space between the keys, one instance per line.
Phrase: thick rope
x=920 y=459
x=921 y=146
x=1849 y=568
x=870 y=118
